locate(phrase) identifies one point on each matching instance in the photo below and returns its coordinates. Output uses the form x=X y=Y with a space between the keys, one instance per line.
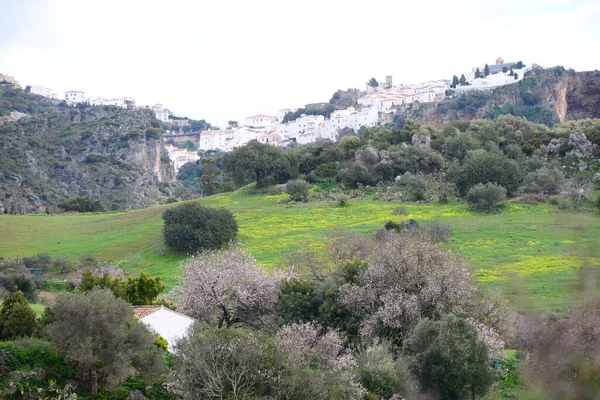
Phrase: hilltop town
x=376 y=104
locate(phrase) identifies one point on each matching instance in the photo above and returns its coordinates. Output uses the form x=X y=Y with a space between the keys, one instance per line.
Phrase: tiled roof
x=142 y=311
x=260 y=116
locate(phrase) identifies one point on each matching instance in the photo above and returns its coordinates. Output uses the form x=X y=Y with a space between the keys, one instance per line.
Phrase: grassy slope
x=531 y=253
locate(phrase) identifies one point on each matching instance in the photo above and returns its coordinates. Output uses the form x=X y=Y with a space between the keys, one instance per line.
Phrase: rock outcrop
x=549 y=96
x=109 y=153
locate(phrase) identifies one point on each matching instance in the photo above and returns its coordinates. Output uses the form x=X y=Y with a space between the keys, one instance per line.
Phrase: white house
x=281 y=113
x=181 y=156
x=169 y=324
x=75 y=96
x=259 y=120
x=41 y=91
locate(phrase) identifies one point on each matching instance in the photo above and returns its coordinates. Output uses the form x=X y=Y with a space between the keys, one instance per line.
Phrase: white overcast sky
x=223 y=60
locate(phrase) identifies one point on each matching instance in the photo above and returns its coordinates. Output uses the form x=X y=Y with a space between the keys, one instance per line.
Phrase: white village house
x=74 y=96
x=169 y=324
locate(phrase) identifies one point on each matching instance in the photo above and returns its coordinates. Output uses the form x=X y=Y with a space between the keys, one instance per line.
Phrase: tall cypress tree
x=454 y=81
x=486 y=70
x=477 y=73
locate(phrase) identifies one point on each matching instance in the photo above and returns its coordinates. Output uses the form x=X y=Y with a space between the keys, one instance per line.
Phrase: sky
x=225 y=60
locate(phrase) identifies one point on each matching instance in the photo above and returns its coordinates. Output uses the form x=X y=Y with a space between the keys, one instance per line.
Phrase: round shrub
x=192 y=227
x=486 y=197
x=297 y=189
x=343 y=200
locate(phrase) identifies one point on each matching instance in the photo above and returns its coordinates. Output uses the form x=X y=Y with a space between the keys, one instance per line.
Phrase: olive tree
x=192 y=227
x=297 y=189
x=448 y=359
x=97 y=332
x=486 y=197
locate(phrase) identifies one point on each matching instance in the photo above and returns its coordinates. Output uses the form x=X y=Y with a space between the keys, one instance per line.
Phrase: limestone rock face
x=421 y=140
x=581 y=146
x=109 y=153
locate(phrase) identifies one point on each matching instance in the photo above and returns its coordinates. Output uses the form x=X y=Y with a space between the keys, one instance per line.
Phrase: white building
x=124 y=102
x=74 y=96
x=270 y=138
x=217 y=140
x=281 y=113
x=349 y=118
x=181 y=156
x=169 y=324
x=41 y=91
x=162 y=114
x=259 y=121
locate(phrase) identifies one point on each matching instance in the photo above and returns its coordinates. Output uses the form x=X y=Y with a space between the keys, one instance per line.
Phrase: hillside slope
x=108 y=153
x=529 y=252
x=547 y=96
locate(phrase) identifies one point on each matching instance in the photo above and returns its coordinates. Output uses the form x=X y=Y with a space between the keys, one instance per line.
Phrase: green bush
x=192 y=227
x=343 y=200
x=544 y=180
x=297 y=189
x=152 y=133
x=381 y=373
x=17 y=319
x=486 y=197
x=81 y=204
x=481 y=166
x=447 y=358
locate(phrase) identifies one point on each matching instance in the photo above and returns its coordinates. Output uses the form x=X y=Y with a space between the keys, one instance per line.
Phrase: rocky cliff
x=547 y=96
x=111 y=154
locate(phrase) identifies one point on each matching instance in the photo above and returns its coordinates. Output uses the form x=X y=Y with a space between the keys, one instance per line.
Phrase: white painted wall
x=169 y=324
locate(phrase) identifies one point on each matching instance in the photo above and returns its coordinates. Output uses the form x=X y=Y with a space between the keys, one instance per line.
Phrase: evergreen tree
x=373 y=82
x=17 y=319
x=477 y=73
x=462 y=80
x=454 y=81
x=486 y=70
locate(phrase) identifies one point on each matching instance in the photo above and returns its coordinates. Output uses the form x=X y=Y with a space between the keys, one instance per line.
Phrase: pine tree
x=477 y=73
x=462 y=80
x=486 y=70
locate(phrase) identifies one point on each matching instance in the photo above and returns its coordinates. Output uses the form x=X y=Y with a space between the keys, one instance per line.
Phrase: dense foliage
x=81 y=204
x=192 y=227
x=96 y=331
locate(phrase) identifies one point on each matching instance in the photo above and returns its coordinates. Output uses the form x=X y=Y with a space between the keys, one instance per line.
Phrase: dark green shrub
x=152 y=133
x=447 y=358
x=297 y=189
x=481 y=166
x=343 y=200
x=192 y=227
x=381 y=373
x=414 y=187
x=486 y=197
x=392 y=225
x=17 y=319
x=81 y=204
x=544 y=180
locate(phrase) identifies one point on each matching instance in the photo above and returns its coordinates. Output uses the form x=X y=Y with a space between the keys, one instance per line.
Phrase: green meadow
x=533 y=254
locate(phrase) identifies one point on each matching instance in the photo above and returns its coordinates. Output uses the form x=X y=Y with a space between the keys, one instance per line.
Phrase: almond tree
x=227 y=288
x=409 y=278
x=314 y=365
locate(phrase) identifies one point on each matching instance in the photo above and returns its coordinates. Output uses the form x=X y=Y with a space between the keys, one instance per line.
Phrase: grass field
x=532 y=253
